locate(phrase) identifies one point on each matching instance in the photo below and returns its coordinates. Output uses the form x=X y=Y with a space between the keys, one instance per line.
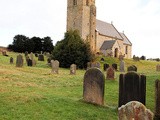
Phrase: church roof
x=107 y=29
x=125 y=39
x=107 y=44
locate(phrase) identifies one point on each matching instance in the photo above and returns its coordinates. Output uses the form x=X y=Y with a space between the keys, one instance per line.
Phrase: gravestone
x=26 y=53
x=122 y=66
x=110 y=73
x=73 y=69
x=134 y=110
x=27 y=58
x=40 y=57
x=132 y=68
x=11 y=60
x=88 y=65
x=95 y=64
x=132 y=87
x=19 y=61
x=158 y=68
x=93 y=86
x=4 y=53
x=121 y=57
x=36 y=54
x=105 y=67
x=55 y=66
x=102 y=59
x=115 y=66
x=157 y=100
x=32 y=58
x=29 y=62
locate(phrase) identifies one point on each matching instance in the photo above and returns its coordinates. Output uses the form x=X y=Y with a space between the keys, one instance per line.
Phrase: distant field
x=33 y=93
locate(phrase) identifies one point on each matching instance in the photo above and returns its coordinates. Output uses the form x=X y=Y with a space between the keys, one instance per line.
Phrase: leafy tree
x=71 y=50
x=37 y=44
x=19 y=43
x=47 y=44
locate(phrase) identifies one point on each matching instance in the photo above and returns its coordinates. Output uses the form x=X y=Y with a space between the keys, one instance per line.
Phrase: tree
x=19 y=43
x=47 y=44
x=72 y=50
x=38 y=44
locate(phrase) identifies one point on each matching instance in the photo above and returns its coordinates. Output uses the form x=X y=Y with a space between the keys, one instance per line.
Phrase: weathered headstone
x=110 y=73
x=122 y=66
x=4 y=53
x=41 y=57
x=157 y=100
x=134 y=110
x=55 y=66
x=73 y=68
x=19 y=61
x=27 y=58
x=105 y=67
x=11 y=60
x=93 y=86
x=26 y=53
x=115 y=66
x=32 y=58
x=36 y=54
x=132 y=68
x=158 y=67
x=121 y=57
x=102 y=59
x=95 y=64
x=132 y=87
x=29 y=62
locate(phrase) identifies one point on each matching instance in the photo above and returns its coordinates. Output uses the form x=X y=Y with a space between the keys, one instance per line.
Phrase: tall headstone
x=132 y=87
x=29 y=62
x=94 y=86
x=105 y=67
x=11 y=60
x=110 y=73
x=157 y=100
x=55 y=66
x=132 y=68
x=32 y=58
x=122 y=66
x=158 y=67
x=115 y=66
x=41 y=57
x=19 y=61
x=134 y=110
x=73 y=69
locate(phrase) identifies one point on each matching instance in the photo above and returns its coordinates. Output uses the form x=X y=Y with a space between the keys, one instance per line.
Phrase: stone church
x=103 y=37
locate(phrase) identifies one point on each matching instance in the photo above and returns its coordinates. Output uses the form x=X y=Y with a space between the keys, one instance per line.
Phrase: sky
x=139 y=19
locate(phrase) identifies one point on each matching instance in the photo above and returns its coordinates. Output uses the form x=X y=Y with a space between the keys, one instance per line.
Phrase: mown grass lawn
x=33 y=93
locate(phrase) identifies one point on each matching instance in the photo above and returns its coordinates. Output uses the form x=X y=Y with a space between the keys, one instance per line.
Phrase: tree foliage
x=21 y=43
x=72 y=50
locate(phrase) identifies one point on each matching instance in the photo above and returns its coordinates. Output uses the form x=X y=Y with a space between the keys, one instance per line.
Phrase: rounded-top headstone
x=93 y=86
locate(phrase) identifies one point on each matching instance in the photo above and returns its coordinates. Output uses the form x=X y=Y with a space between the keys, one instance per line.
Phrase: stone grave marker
x=93 y=86
x=105 y=67
x=41 y=57
x=102 y=59
x=110 y=73
x=134 y=110
x=132 y=87
x=73 y=68
x=55 y=66
x=29 y=62
x=32 y=58
x=26 y=53
x=132 y=68
x=36 y=54
x=158 y=68
x=19 y=61
x=4 y=53
x=157 y=100
x=122 y=66
x=115 y=67
x=11 y=60
x=121 y=57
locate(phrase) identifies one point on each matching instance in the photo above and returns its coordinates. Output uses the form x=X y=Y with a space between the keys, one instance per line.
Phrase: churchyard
x=39 y=93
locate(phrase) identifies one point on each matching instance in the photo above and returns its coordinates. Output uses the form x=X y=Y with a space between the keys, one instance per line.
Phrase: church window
x=126 y=49
x=74 y=2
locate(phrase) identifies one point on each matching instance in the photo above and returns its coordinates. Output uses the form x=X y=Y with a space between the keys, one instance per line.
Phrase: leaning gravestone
x=73 y=69
x=55 y=66
x=40 y=57
x=157 y=100
x=132 y=87
x=19 y=61
x=110 y=73
x=4 y=53
x=134 y=110
x=11 y=60
x=105 y=67
x=158 y=67
x=93 y=86
x=132 y=68
x=114 y=66
x=122 y=66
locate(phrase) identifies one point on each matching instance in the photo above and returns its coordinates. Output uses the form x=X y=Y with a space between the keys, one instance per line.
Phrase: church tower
x=81 y=16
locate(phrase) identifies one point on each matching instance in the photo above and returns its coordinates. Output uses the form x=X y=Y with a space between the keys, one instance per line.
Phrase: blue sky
x=139 y=19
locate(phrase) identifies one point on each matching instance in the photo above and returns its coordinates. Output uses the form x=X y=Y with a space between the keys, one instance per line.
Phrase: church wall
x=129 y=51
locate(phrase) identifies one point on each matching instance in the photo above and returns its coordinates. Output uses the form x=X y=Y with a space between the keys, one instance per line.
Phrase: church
x=103 y=37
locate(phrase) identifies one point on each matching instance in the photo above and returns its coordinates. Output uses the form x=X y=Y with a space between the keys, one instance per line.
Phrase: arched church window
x=74 y=2
x=126 y=49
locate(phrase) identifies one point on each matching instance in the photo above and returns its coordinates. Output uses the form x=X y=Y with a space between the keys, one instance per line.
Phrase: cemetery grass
x=33 y=93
